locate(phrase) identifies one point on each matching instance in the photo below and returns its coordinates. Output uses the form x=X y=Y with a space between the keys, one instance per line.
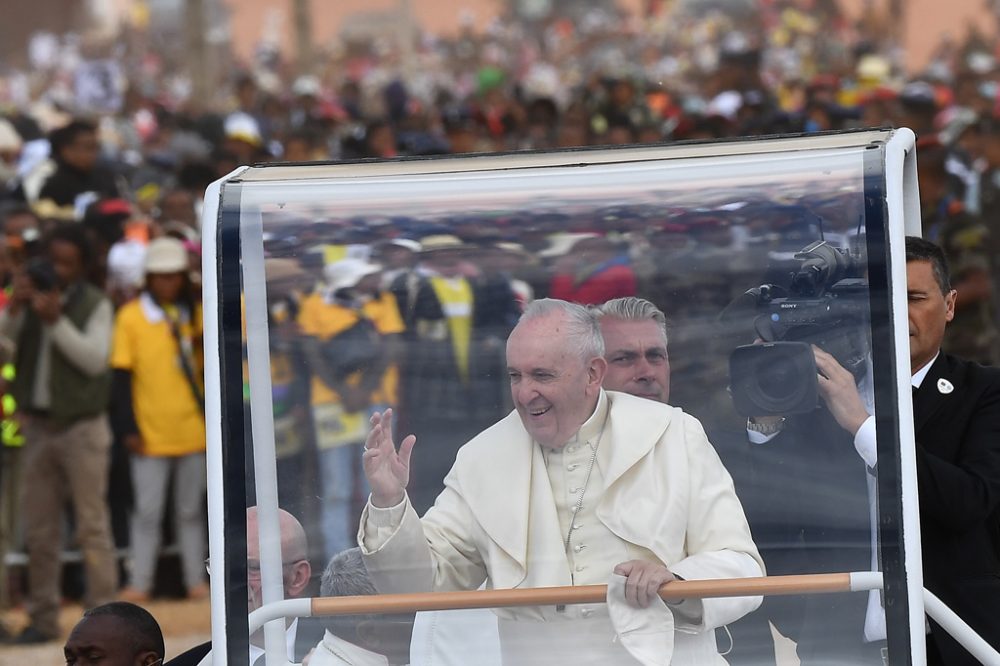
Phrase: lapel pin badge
x=945 y=387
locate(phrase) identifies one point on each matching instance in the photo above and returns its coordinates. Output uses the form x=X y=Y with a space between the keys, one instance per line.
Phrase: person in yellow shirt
x=158 y=411
x=351 y=335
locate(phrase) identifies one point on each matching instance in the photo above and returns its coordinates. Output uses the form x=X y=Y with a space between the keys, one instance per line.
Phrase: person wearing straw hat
x=576 y=486
x=158 y=412
x=453 y=376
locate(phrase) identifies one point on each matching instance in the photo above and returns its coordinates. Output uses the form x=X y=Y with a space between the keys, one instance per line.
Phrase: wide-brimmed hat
x=166 y=255
x=512 y=248
x=440 y=242
x=562 y=243
x=407 y=243
x=347 y=273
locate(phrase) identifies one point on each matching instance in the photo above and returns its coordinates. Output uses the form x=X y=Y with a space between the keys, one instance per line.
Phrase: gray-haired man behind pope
x=575 y=485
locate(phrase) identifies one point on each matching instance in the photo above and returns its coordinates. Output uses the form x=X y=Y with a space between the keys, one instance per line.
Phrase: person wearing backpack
x=158 y=411
x=351 y=337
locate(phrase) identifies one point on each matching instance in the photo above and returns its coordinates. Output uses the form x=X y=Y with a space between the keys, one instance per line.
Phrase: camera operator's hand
x=839 y=392
x=47 y=305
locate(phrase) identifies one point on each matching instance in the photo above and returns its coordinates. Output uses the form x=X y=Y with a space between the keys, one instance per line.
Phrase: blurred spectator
x=351 y=344
x=10 y=154
x=453 y=371
x=290 y=385
x=598 y=272
x=75 y=151
x=104 y=222
x=178 y=205
x=398 y=257
x=115 y=634
x=158 y=412
x=506 y=260
x=973 y=333
x=62 y=328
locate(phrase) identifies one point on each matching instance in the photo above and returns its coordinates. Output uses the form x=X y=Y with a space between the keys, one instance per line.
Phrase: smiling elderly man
x=576 y=484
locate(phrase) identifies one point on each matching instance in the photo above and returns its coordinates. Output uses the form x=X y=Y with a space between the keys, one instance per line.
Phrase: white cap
x=307 y=84
x=125 y=262
x=166 y=255
x=348 y=273
x=9 y=138
x=242 y=126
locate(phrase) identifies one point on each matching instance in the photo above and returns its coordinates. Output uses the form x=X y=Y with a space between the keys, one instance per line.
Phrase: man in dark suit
x=956 y=410
x=808 y=509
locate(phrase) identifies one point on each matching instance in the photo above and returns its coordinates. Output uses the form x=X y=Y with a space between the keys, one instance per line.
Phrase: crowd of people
x=101 y=315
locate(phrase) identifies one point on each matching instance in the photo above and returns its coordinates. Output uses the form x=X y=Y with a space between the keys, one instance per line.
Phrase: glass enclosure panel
x=374 y=292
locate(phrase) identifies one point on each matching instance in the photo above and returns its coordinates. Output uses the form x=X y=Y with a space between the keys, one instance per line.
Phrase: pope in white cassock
x=577 y=486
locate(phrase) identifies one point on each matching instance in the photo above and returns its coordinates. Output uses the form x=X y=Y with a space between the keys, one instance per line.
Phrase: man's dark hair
x=73 y=233
x=60 y=138
x=141 y=629
x=919 y=249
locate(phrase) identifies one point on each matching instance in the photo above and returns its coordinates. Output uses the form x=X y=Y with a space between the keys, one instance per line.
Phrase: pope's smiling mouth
x=539 y=412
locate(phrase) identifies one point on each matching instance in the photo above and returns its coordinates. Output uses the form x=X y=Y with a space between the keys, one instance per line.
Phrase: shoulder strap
x=186 y=365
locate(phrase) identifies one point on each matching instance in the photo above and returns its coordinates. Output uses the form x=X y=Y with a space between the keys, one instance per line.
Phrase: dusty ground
x=184 y=623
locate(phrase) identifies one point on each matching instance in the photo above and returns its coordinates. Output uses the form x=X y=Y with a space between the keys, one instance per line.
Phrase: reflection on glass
x=407 y=299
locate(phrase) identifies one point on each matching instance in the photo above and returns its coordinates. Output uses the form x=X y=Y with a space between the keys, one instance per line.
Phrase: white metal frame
x=213 y=407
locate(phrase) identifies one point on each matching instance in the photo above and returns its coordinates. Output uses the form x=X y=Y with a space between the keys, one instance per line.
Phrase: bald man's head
x=296 y=570
x=294 y=546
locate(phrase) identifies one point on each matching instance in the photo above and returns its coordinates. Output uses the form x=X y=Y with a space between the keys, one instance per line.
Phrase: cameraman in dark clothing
x=811 y=506
x=62 y=329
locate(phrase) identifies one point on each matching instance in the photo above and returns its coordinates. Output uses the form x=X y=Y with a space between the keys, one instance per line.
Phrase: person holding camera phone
x=62 y=329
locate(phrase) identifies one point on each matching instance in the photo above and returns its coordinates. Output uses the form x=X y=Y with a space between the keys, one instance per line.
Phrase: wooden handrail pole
x=579 y=594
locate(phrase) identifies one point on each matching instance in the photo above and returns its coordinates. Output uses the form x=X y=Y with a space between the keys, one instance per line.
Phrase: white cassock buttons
x=944 y=386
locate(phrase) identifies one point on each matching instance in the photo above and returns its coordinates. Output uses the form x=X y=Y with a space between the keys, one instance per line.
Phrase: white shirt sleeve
x=864 y=442
x=381 y=523
x=761 y=438
x=87 y=349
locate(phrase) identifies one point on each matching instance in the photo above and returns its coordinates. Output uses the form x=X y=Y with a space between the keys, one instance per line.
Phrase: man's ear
x=595 y=373
x=949 y=303
x=148 y=658
x=299 y=578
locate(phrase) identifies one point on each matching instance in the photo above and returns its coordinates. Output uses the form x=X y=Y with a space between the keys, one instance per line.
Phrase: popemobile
x=416 y=454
